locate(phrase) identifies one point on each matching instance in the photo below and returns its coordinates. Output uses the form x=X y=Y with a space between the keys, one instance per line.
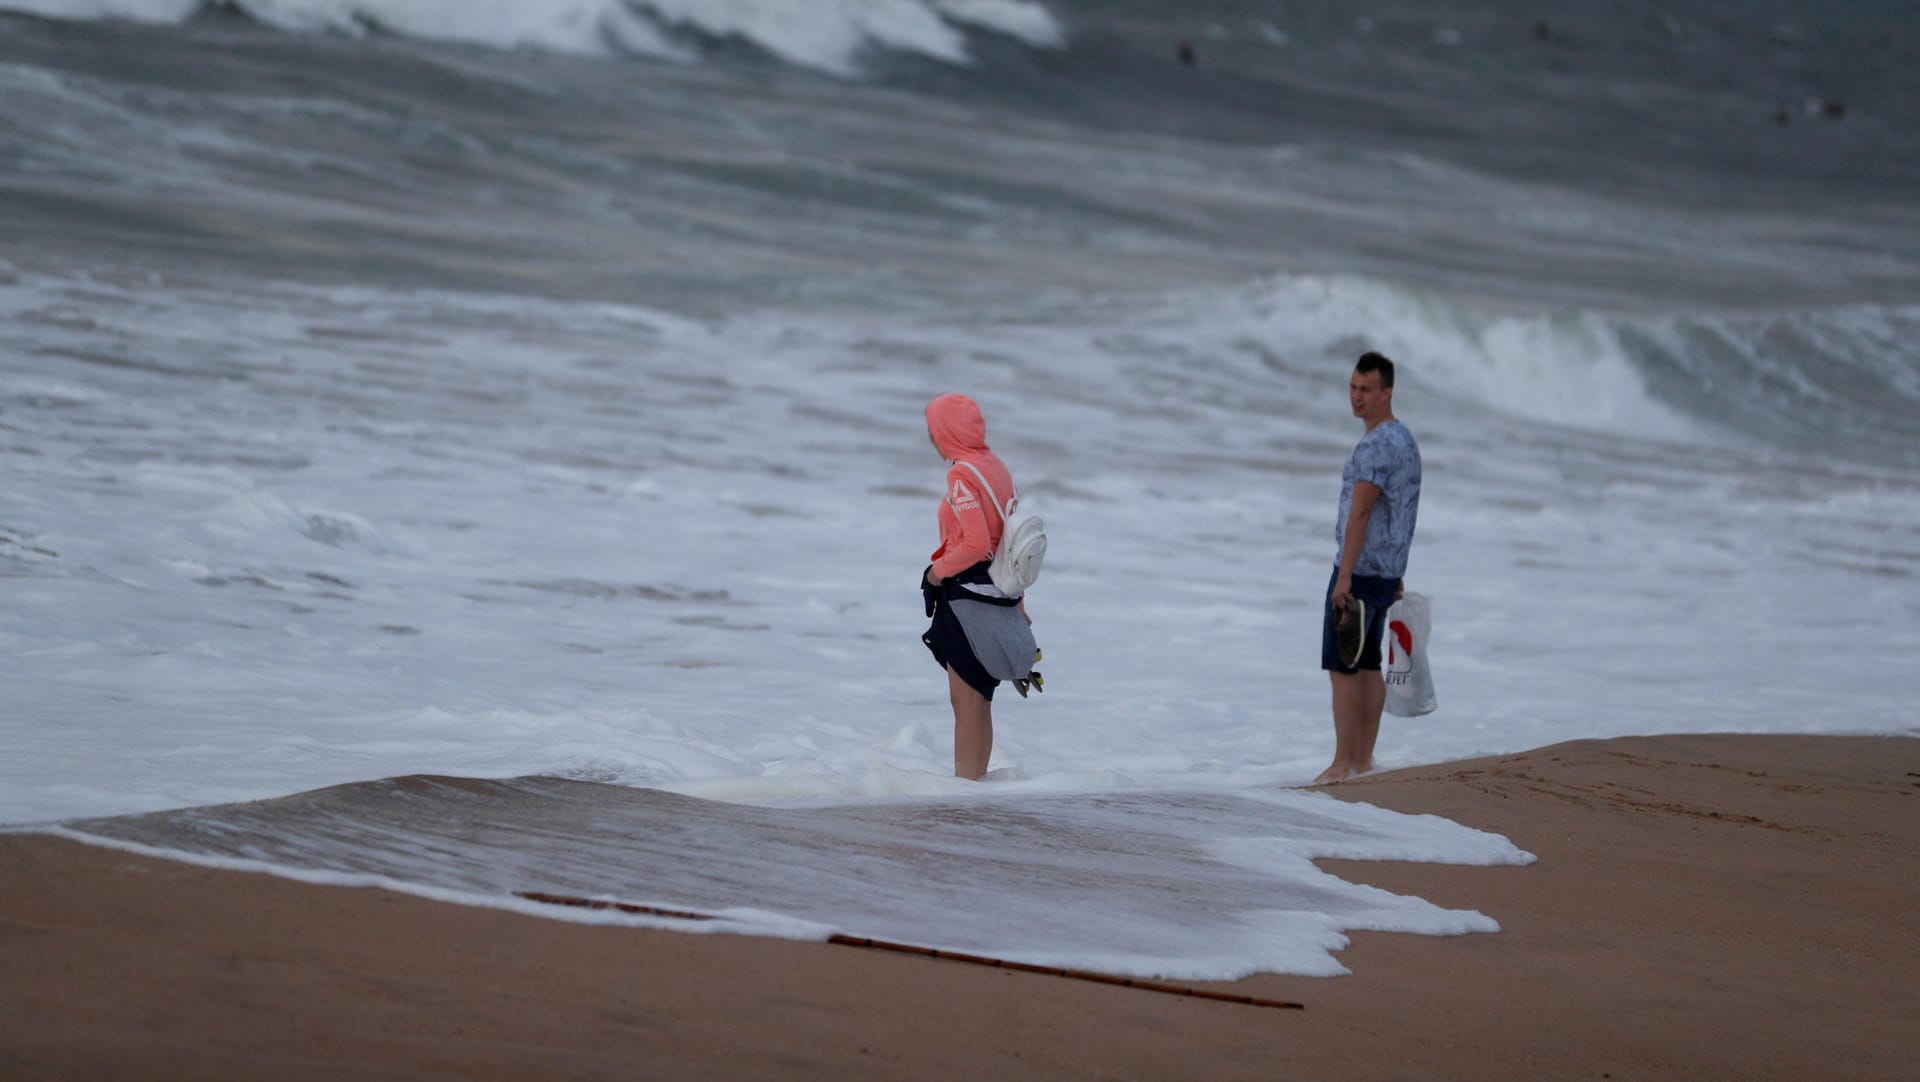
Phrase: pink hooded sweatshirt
x=969 y=529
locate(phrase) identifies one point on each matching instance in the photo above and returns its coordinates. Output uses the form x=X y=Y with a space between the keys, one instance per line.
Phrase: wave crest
x=826 y=35
x=1827 y=380
x=1569 y=368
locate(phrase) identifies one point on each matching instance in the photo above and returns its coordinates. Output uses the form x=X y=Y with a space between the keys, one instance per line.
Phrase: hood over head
x=957 y=428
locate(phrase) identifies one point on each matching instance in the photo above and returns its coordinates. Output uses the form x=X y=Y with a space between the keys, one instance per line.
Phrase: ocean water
x=487 y=437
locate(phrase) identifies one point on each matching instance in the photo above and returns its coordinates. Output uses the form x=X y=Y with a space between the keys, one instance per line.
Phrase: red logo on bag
x=1402 y=638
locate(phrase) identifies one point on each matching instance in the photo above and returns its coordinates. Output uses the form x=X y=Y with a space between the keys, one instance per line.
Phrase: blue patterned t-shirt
x=1388 y=458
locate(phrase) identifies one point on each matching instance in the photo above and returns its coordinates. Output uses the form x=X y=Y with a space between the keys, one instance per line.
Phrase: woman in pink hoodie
x=970 y=528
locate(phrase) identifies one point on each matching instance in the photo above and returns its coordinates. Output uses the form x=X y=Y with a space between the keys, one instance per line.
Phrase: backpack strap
x=990 y=493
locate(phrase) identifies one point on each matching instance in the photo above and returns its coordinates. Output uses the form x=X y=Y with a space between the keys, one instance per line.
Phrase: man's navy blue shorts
x=1378 y=593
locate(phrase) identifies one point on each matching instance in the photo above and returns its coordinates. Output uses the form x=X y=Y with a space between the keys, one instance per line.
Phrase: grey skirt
x=982 y=641
x=1000 y=637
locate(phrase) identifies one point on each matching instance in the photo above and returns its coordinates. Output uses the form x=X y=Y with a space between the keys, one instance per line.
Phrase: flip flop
x=1350 y=632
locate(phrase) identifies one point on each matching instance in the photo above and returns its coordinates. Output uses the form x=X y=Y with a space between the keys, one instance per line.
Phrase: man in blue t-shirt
x=1379 y=500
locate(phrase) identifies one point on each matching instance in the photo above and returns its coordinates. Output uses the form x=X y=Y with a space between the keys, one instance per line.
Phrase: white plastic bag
x=1409 y=677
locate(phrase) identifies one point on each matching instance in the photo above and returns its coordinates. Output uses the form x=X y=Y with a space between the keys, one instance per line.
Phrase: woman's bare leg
x=972 y=728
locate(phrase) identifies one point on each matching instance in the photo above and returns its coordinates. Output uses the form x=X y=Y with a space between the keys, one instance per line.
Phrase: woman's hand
x=930 y=591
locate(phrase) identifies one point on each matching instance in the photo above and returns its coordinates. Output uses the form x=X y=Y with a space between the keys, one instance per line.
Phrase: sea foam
x=1183 y=885
x=828 y=35
x=493 y=536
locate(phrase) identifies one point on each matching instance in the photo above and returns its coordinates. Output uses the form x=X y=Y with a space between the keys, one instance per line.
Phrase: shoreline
x=1703 y=906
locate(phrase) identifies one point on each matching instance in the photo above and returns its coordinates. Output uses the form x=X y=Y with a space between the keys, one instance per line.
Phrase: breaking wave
x=828 y=35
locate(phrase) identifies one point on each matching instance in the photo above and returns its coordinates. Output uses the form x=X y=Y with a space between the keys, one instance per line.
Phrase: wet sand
x=1738 y=907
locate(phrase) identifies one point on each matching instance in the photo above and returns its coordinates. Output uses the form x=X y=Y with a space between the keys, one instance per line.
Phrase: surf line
x=1163 y=987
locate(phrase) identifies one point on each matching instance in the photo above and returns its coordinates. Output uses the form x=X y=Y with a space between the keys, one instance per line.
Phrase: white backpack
x=1023 y=543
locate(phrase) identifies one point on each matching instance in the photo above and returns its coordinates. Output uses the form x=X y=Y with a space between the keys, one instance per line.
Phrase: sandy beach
x=1738 y=907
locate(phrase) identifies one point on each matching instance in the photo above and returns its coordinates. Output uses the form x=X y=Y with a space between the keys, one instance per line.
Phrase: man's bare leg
x=972 y=728
x=1357 y=702
x=1373 y=692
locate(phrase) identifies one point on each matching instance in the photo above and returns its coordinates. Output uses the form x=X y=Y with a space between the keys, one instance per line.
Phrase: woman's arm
x=970 y=518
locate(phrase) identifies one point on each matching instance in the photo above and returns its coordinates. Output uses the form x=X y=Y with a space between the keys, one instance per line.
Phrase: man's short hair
x=1375 y=362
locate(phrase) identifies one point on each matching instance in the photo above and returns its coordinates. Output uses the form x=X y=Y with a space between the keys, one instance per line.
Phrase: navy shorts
x=948 y=642
x=1378 y=593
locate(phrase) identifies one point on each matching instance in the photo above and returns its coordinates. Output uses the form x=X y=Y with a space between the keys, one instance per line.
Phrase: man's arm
x=1364 y=494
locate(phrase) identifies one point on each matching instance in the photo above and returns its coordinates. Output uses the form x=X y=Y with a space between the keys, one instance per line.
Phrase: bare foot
x=1332 y=775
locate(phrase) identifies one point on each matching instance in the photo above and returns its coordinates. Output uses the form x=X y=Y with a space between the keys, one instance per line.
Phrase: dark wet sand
x=1704 y=907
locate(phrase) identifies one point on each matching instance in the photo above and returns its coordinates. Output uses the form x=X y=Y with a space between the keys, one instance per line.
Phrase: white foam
x=544 y=627
x=1021 y=19
x=1566 y=368
x=33 y=392
x=533 y=537
x=572 y=26
x=1198 y=887
x=829 y=35
x=150 y=11
x=725 y=921
x=242 y=520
